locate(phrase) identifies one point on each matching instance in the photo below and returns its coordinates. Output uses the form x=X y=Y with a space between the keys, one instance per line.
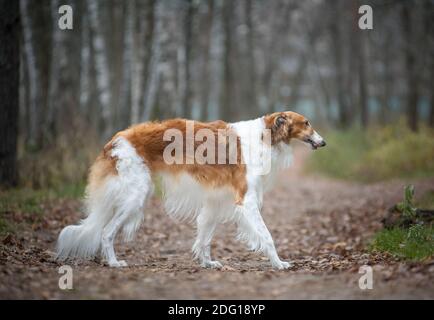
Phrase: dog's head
x=289 y=125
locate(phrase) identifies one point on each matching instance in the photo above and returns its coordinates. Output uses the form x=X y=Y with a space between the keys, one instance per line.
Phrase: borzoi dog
x=210 y=172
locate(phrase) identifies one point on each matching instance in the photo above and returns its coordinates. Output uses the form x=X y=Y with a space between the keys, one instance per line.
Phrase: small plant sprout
x=406 y=207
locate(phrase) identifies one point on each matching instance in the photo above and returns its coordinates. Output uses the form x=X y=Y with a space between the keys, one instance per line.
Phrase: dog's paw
x=123 y=263
x=118 y=264
x=282 y=265
x=212 y=264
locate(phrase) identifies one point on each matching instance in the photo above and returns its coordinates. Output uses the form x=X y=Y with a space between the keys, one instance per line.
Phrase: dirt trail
x=321 y=224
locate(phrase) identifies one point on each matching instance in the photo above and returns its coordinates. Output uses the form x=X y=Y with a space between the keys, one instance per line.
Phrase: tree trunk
x=431 y=98
x=312 y=36
x=117 y=50
x=227 y=94
x=298 y=80
x=9 y=90
x=102 y=68
x=137 y=62
x=280 y=26
x=85 y=74
x=251 y=65
x=205 y=72
x=412 y=98
x=386 y=79
x=127 y=69
x=37 y=37
x=363 y=90
x=360 y=52
x=337 y=45
x=188 y=52
x=66 y=67
x=153 y=72
x=431 y=112
x=429 y=16
x=34 y=135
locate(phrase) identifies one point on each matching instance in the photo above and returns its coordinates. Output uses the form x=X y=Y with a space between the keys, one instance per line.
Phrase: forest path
x=321 y=224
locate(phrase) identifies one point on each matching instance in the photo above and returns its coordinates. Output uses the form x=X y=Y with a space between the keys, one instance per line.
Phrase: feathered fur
x=121 y=180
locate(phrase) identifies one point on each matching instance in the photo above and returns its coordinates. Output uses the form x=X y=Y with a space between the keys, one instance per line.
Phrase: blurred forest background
x=126 y=62
x=64 y=93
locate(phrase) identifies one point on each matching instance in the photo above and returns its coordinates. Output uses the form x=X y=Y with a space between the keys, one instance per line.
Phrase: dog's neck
x=251 y=133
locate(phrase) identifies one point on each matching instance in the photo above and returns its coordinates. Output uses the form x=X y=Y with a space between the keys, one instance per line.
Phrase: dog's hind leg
x=207 y=221
x=133 y=185
x=108 y=237
x=131 y=207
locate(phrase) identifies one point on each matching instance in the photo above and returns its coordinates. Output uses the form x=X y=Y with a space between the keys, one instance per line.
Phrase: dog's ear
x=279 y=121
x=283 y=121
x=281 y=128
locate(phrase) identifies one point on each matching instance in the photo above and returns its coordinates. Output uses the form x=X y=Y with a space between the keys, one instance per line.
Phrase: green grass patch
x=24 y=200
x=5 y=226
x=376 y=154
x=415 y=243
x=29 y=202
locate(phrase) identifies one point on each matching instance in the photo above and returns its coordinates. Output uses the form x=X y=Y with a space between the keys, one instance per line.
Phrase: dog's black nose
x=323 y=143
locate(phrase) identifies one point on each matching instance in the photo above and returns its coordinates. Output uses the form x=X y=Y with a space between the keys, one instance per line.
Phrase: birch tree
x=125 y=100
x=101 y=64
x=205 y=77
x=153 y=70
x=34 y=138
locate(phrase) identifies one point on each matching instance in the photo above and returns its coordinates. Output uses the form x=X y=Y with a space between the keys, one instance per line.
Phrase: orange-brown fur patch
x=103 y=167
x=147 y=139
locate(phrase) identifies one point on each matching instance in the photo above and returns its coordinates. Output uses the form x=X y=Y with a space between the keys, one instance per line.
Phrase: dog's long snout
x=317 y=140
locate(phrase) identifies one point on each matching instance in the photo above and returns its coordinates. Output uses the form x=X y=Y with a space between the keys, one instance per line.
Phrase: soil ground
x=322 y=225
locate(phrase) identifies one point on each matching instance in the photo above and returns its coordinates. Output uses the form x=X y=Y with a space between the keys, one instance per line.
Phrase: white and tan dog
x=223 y=181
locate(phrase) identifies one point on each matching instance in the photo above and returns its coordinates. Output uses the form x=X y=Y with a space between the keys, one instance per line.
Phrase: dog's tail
x=84 y=240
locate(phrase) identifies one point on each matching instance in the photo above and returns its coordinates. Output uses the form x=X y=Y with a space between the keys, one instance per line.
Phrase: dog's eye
x=307 y=123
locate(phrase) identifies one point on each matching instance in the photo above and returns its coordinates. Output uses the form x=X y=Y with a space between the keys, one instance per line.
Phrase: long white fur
x=251 y=226
x=84 y=240
x=120 y=201
x=183 y=196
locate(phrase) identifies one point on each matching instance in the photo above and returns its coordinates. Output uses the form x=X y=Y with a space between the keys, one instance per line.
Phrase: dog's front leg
x=252 y=229
x=206 y=224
